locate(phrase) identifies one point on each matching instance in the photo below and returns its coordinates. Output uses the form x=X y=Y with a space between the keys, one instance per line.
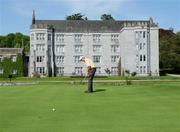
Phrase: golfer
x=90 y=72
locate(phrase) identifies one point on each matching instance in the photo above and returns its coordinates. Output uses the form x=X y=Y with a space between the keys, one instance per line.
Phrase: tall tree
x=169 y=51
x=14 y=40
x=106 y=17
x=77 y=16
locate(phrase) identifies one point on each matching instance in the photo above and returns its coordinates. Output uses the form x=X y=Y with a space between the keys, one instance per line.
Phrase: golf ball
x=53 y=109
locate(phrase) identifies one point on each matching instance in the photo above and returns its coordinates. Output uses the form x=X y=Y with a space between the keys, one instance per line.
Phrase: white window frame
x=39 y=58
x=40 y=47
x=78 y=48
x=59 y=59
x=96 y=48
x=114 y=48
x=78 y=70
x=76 y=59
x=97 y=59
x=60 y=38
x=114 y=70
x=40 y=36
x=78 y=37
x=40 y=70
x=114 y=58
x=60 y=71
x=144 y=34
x=96 y=38
x=114 y=38
x=14 y=58
x=60 y=48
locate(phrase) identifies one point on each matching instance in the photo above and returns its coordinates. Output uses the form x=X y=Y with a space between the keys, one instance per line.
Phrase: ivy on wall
x=8 y=66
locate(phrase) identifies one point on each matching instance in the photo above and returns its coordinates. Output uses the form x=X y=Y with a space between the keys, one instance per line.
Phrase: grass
x=67 y=78
x=128 y=108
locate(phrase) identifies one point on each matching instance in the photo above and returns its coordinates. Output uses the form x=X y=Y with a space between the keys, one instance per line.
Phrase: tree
x=15 y=41
x=10 y=40
x=106 y=17
x=77 y=16
x=169 y=51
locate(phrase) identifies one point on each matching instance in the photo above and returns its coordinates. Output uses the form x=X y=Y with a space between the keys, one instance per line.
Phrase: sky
x=16 y=15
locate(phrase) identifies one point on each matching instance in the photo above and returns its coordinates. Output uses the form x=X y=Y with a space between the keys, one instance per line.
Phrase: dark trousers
x=90 y=80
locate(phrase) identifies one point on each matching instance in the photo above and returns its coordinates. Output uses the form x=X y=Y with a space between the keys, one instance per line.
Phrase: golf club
x=82 y=80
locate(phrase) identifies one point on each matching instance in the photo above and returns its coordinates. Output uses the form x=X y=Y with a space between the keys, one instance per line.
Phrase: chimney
x=33 y=17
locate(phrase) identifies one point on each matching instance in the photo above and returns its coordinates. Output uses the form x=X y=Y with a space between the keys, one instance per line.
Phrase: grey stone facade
x=56 y=45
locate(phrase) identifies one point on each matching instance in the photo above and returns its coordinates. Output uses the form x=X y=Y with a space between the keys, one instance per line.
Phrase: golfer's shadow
x=99 y=90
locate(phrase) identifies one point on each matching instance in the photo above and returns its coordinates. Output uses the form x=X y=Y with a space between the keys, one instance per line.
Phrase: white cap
x=81 y=57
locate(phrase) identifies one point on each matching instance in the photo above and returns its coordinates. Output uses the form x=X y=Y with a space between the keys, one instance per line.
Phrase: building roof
x=13 y=51
x=85 y=26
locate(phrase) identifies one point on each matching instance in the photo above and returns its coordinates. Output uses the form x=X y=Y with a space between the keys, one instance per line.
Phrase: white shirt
x=89 y=62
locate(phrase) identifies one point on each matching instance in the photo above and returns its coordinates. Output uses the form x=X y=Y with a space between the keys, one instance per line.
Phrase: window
x=60 y=70
x=144 y=45
x=96 y=38
x=32 y=47
x=144 y=57
x=136 y=35
x=78 y=70
x=114 y=58
x=1 y=71
x=114 y=70
x=144 y=69
x=98 y=70
x=114 y=38
x=140 y=69
x=96 y=48
x=96 y=59
x=14 y=71
x=78 y=48
x=13 y=57
x=32 y=36
x=140 y=46
x=40 y=58
x=137 y=68
x=49 y=37
x=59 y=59
x=60 y=48
x=40 y=70
x=49 y=47
x=144 y=34
x=76 y=59
x=114 y=48
x=40 y=47
x=40 y=36
x=60 y=38
x=140 y=57
x=1 y=58
x=78 y=37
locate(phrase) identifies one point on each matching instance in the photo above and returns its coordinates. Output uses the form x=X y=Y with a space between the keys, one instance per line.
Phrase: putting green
x=60 y=107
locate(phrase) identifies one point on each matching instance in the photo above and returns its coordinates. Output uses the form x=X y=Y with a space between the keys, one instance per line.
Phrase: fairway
x=148 y=107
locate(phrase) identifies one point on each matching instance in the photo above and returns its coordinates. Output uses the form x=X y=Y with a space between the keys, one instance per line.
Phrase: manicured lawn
x=68 y=78
x=151 y=107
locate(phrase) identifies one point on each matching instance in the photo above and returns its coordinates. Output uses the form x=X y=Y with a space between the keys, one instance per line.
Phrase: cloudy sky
x=16 y=15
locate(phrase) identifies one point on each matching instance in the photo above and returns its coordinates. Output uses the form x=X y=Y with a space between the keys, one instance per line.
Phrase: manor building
x=56 y=45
